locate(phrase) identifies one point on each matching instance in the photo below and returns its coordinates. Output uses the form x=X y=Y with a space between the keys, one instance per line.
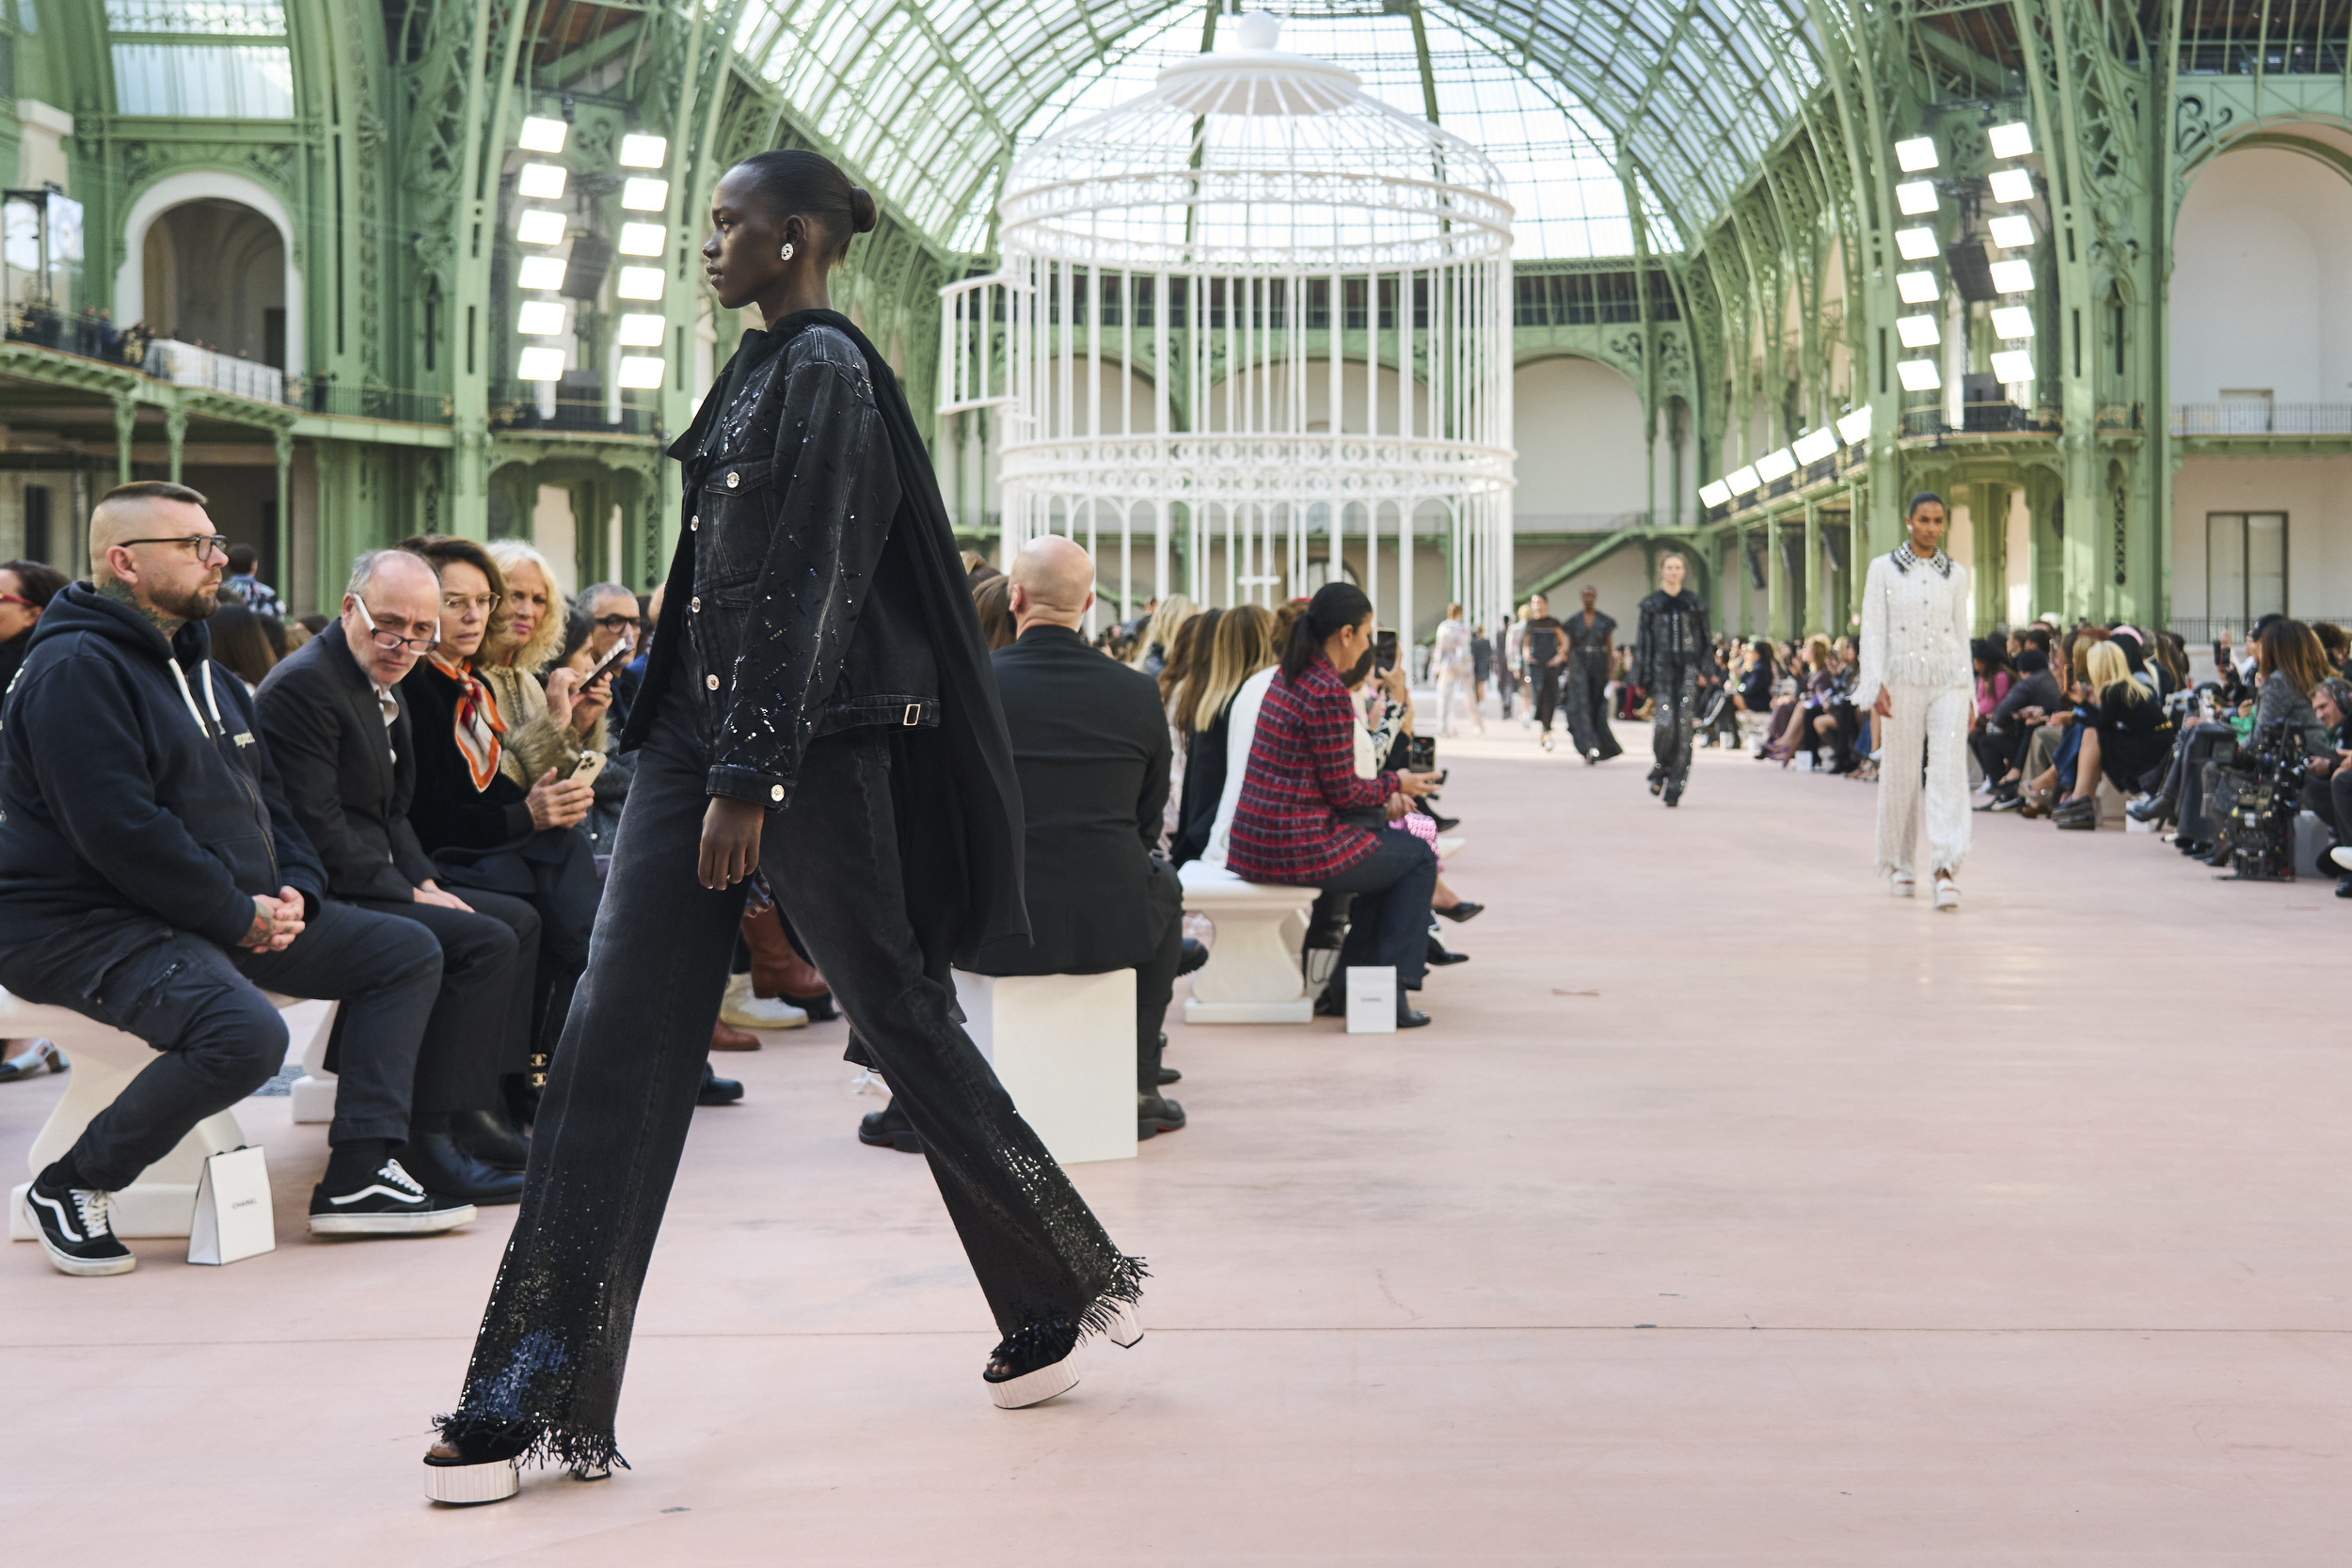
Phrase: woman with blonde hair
x=549 y=725
x=1159 y=634
x=2124 y=735
x=1242 y=645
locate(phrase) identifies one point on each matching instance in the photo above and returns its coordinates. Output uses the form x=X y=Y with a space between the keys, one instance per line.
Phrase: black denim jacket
x=1671 y=636
x=787 y=608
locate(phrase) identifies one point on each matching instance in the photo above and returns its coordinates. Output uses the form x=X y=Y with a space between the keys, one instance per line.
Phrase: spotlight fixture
x=1814 y=445
x=644 y=239
x=541 y=181
x=1776 y=466
x=539 y=364
x=2012 y=184
x=2014 y=277
x=2010 y=141
x=1715 y=493
x=1743 y=480
x=2012 y=320
x=639 y=283
x=540 y=272
x=540 y=318
x=1915 y=288
x=640 y=371
x=1917 y=331
x=643 y=151
x=2011 y=231
x=540 y=134
x=1914 y=196
x=1918 y=375
x=537 y=226
x=1915 y=154
x=1916 y=244
x=2012 y=366
x=639 y=331
x=1854 y=428
x=642 y=195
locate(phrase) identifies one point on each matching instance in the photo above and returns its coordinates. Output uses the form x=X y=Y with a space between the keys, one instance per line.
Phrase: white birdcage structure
x=1261 y=319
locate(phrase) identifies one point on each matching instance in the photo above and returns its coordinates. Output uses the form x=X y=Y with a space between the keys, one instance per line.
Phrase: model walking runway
x=1915 y=618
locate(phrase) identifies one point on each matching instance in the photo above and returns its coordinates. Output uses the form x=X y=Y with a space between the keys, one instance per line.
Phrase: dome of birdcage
x=1252 y=160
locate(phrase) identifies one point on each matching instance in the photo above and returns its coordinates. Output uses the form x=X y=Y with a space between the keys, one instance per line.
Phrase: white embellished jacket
x=1914 y=628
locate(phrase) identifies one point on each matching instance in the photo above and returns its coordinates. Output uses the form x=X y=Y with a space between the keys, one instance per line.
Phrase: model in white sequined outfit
x=1450 y=667
x=1917 y=614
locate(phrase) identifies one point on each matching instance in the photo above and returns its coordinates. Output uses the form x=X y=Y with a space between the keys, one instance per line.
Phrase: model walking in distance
x=1674 y=660
x=1915 y=675
x=1451 y=667
x=817 y=711
x=1592 y=648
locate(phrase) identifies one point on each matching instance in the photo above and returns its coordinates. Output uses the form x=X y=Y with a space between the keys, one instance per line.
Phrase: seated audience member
x=2289 y=665
x=1288 y=827
x=550 y=723
x=245 y=587
x=1242 y=733
x=157 y=881
x=991 y=598
x=1999 y=740
x=344 y=743
x=1242 y=644
x=480 y=826
x=2126 y=735
x=1090 y=745
x=241 y=646
x=25 y=589
x=611 y=612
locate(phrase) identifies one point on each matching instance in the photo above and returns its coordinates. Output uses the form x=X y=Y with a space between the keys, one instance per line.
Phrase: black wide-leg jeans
x=554 y=1341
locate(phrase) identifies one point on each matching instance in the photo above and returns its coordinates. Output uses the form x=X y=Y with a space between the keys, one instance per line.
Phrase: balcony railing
x=2253 y=417
x=516 y=406
x=320 y=394
x=87 y=337
x=186 y=365
x=1982 y=419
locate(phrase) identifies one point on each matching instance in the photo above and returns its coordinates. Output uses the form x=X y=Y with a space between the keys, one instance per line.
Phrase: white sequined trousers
x=1933 y=720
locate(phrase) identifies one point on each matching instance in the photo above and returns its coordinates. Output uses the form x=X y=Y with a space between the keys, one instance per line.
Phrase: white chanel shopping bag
x=1371 y=999
x=234 y=1219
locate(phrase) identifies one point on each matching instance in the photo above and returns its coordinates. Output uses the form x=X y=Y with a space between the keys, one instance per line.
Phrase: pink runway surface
x=1831 y=1231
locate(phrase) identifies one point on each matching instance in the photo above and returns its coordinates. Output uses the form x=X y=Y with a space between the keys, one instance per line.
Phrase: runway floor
x=1730 y=1213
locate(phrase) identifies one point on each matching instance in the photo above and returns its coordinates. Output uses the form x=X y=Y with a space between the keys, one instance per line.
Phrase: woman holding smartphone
x=817 y=709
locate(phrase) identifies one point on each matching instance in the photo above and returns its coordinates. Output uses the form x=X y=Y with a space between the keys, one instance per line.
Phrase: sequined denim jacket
x=797 y=622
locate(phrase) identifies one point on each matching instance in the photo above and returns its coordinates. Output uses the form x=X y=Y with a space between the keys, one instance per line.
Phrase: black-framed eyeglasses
x=392 y=642
x=205 y=543
x=617 y=622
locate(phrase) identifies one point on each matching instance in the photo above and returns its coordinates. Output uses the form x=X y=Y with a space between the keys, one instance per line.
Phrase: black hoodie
x=127 y=796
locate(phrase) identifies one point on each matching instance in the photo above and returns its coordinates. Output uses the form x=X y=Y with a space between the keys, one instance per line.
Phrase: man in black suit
x=332 y=716
x=1089 y=742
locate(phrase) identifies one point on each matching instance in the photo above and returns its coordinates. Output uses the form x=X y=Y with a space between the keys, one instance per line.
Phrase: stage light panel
x=1854 y=428
x=639 y=283
x=539 y=364
x=1914 y=154
x=644 y=239
x=637 y=331
x=541 y=134
x=2013 y=229
x=2012 y=366
x=537 y=226
x=1715 y=493
x=641 y=195
x=541 y=181
x=540 y=318
x=1814 y=445
x=639 y=151
x=640 y=371
x=2012 y=320
x=1916 y=244
x=2010 y=141
x=540 y=272
x=2014 y=277
x=1919 y=375
x=1914 y=196
x=1742 y=481
x=1917 y=331
x=1915 y=288
x=2012 y=184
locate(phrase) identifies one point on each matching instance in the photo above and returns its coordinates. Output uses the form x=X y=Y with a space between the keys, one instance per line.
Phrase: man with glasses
x=152 y=878
x=612 y=611
x=340 y=735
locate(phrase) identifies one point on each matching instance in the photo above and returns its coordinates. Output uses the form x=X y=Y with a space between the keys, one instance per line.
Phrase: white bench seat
x=1253 y=975
x=162 y=1202
x=1064 y=1047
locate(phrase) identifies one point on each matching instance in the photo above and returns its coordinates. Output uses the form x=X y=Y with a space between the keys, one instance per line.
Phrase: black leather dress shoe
x=490 y=1138
x=1196 y=954
x=888 y=1128
x=1156 y=1113
x=717 y=1090
x=442 y=1168
x=1410 y=1018
x=1169 y=1075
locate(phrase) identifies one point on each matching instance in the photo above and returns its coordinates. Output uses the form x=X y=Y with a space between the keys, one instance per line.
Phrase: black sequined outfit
x=1673 y=651
x=815 y=552
x=1588 y=685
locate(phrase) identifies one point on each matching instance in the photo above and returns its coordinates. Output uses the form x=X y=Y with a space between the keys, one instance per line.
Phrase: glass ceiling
x=924 y=100
x=1559 y=170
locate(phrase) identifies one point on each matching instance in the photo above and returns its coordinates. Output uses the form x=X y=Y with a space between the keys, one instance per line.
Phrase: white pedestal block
x=162 y=1202
x=308 y=1026
x=1252 y=976
x=1064 y=1047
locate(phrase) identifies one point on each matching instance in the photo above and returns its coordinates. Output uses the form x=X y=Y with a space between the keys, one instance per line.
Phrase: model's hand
x=730 y=841
x=1884 y=705
x=559 y=802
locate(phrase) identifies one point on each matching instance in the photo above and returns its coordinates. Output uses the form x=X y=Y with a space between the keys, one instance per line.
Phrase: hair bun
x=863 y=214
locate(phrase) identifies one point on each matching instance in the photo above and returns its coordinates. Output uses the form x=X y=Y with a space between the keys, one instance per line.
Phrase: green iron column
x=1814 y=624
x=283 y=543
x=126 y=425
x=175 y=435
x=1776 y=581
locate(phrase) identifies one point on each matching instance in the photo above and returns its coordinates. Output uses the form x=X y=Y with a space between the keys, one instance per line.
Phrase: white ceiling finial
x=1258 y=30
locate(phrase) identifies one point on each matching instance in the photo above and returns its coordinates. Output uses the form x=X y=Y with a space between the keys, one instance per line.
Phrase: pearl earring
x=788 y=251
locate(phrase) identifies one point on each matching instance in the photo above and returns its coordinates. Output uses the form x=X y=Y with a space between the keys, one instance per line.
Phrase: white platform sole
x=1127 y=1329
x=428 y=1222
x=466 y=1485
x=1019 y=1393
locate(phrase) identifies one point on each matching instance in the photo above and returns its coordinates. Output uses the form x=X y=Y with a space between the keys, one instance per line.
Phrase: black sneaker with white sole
x=390 y=1203
x=76 y=1230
